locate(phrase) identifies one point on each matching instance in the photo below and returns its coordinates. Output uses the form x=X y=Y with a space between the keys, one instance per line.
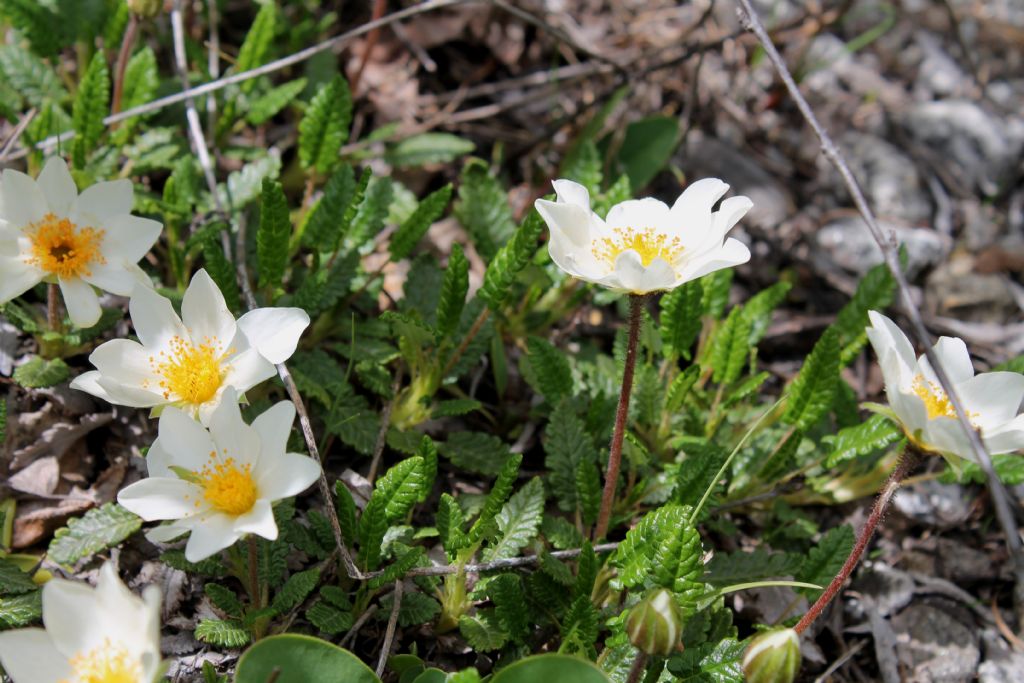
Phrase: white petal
x=887 y=335
x=570 y=192
x=124 y=395
x=692 y=210
x=259 y=520
x=16 y=277
x=729 y=214
x=81 y=301
x=945 y=435
x=638 y=214
x=184 y=439
x=573 y=260
x=28 y=655
x=910 y=409
x=637 y=278
x=158 y=460
x=159 y=498
x=111 y=277
x=231 y=435
x=733 y=253
x=214 y=534
x=274 y=332
x=288 y=475
x=102 y=201
x=69 y=613
x=994 y=396
x=1006 y=438
x=154 y=319
x=273 y=427
x=165 y=533
x=248 y=369
x=205 y=313
x=58 y=186
x=130 y=237
x=23 y=200
x=567 y=220
x=126 y=362
x=953 y=356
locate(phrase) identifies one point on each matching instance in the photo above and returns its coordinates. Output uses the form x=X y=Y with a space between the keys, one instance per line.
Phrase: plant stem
x=636 y=672
x=254 y=575
x=611 y=477
x=477 y=325
x=127 y=43
x=906 y=463
x=53 y=320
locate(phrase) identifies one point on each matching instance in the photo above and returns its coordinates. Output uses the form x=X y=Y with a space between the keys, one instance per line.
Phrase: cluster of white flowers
x=216 y=476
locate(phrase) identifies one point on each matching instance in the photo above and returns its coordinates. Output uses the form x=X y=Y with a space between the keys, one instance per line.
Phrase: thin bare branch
x=389 y=634
x=509 y=563
x=16 y=133
x=890 y=252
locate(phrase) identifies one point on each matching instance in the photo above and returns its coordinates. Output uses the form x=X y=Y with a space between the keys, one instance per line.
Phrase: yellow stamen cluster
x=648 y=243
x=61 y=248
x=192 y=373
x=226 y=486
x=935 y=400
x=106 y=663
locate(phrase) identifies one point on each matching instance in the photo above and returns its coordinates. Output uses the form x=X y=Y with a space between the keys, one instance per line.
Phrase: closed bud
x=772 y=657
x=655 y=624
x=147 y=9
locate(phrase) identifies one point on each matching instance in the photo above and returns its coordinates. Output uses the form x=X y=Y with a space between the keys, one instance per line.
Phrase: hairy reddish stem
x=611 y=477
x=907 y=462
x=127 y=43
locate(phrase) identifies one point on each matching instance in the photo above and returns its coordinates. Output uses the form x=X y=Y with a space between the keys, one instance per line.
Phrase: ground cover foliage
x=461 y=389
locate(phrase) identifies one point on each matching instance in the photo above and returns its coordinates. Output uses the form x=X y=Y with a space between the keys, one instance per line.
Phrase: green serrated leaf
x=550 y=368
x=298 y=586
x=647 y=147
x=346 y=511
x=505 y=266
x=500 y=492
x=373 y=524
x=141 y=80
x=36 y=22
x=449 y=521
x=483 y=631
x=566 y=445
x=224 y=599
x=875 y=433
x=814 y=389
x=210 y=567
x=427 y=148
x=681 y=311
x=222 y=272
x=677 y=563
x=716 y=287
x=265 y=107
x=256 y=45
x=13 y=581
x=758 y=309
x=635 y=555
x=328 y=618
x=588 y=490
x=506 y=592
x=21 y=610
x=92 y=103
x=324 y=128
x=874 y=293
x=222 y=633
x=731 y=347
x=372 y=212
x=330 y=216
x=401 y=488
x=483 y=208
x=727 y=569
x=272 y=236
x=34 y=80
x=580 y=627
x=39 y=373
x=475 y=452
x=680 y=388
x=717 y=662
x=99 y=529
x=412 y=230
x=697 y=472
x=518 y=521
x=452 y=299
x=584 y=167
x=825 y=560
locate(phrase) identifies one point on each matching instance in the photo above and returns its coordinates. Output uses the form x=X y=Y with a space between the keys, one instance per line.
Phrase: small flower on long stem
x=189 y=362
x=219 y=483
x=97 y=634
x=643 y=245
x=923 y=410
x=50 y=233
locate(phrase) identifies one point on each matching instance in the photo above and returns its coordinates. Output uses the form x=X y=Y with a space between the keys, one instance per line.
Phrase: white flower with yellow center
x=643 y=245
x=189 y=361
x=50 y=233
x=219 y=483
x=923 y=410
x=105 y=634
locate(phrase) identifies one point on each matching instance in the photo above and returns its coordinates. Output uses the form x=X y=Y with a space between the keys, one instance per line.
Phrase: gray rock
x=846 y=244
x=707 y=157
x=982 y=148
x=889 y=178
x=980 y=227
x=938 y=74
x=955 y=290
x=936 y=645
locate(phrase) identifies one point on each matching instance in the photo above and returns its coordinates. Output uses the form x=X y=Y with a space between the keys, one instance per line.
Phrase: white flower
x=926 y=414
x=105 y=633
x=643 y=245
x=188 y=362
x=219 y=484
x=49 y=232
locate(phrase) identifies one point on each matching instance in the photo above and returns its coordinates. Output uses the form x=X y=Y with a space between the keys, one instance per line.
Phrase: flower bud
x=655 y=624
x=772 y=657
x=146 y=9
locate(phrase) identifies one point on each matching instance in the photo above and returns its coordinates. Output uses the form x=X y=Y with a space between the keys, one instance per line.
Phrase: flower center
x=228 y=487
x=193 y=373
x=648 y=243
x=935 y=400
x=62 y=248
x=107 y=663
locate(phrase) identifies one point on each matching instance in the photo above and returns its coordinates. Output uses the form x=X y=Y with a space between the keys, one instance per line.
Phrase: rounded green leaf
x=551 y=667
x=301 y=659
